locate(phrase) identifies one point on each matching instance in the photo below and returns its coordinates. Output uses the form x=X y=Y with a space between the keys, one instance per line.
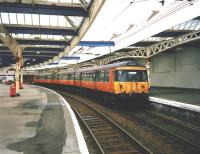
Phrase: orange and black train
x=118 y=79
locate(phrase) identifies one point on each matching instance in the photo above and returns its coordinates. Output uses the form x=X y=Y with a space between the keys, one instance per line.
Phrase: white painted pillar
x=21 y=79
x=148 y=63
x=17 y=78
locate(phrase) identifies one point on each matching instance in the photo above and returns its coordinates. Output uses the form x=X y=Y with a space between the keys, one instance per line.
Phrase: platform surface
x=186 y=96
x=36 y=122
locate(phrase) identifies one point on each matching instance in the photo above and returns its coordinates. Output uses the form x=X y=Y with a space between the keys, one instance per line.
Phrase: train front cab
x=131 y=81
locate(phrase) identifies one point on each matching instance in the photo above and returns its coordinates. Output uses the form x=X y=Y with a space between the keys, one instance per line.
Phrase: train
x=121 y=79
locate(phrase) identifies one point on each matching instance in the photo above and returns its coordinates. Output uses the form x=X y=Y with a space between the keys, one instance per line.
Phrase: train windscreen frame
x=131 y=76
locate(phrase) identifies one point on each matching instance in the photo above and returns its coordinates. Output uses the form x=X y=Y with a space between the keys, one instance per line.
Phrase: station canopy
x=46 y=28
x=43 y=27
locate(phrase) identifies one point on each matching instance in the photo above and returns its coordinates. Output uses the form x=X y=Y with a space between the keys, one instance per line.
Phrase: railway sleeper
x=102 y=129
x=113 y=141
x=121 y=148
x=104 y=138
x=97 y=124
x=97 y=121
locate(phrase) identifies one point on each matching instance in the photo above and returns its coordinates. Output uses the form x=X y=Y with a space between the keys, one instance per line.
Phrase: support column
x=148 y=63
x=21 y=79
x=17 y=77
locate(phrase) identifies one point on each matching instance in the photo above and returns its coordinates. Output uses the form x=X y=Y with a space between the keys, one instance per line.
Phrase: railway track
x=145 y=126
x=178 y=134
x=109 y=137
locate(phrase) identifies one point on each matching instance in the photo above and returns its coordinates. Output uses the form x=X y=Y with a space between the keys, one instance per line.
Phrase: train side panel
x=88 y=84
x=106 y=85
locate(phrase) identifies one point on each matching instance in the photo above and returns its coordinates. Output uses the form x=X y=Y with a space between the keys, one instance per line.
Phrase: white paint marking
x=182 y=105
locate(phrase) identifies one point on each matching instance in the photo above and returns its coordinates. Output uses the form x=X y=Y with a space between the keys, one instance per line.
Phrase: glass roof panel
x=188 y=25
x=26 y=36
x=54 y=20
x=194 y=24
x=13 y=18
x=55 y=1
x=20 y=18
x=197 y=27
x=28 y=19
x=20 y=35
x=76 y=1
x=35 y=18
x=44 y=20
x=76 y=20
x=5 y=18
x=62 y=21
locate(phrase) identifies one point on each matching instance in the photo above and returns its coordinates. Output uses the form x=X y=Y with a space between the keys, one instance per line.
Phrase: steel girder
x=71 y=10
x=42 y=42
x=54 y=49
x=152 y=50
x=21 y=29
x=11 y=43
x=94 y=10
x=96 y=43
x=71 y=23
x=165 y=45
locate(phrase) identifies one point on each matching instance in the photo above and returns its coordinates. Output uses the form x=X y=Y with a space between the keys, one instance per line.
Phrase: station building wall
x=178 y=68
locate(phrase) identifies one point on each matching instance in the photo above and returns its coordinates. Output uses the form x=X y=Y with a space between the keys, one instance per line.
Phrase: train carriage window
x=98 y=75
x=87 y=77
x=69 y=77
x=120 y=76
x=72 y=76
x=83 y=76
x=65 y=76
x=131 y=75
x=77 y=76
x=106 y=78
x=60 y=76
x=102 y=76
x=91 y=76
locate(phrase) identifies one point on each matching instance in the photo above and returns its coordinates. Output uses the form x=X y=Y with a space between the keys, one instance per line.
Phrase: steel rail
x=176 y=122
x=145 y=149
x=166 y=132
x=88 y=128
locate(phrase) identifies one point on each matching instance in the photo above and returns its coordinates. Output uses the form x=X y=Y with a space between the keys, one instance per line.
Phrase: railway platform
x=39 y=121
x=183 y=98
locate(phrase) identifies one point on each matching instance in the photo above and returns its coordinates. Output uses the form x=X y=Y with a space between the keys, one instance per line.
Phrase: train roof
x=108 y=66
x=114 y=65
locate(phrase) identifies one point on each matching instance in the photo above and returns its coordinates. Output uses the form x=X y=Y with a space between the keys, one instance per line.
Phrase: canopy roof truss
x=41 y=22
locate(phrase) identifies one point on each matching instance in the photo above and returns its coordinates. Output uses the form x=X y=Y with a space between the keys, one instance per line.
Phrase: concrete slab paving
x=37 y=122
